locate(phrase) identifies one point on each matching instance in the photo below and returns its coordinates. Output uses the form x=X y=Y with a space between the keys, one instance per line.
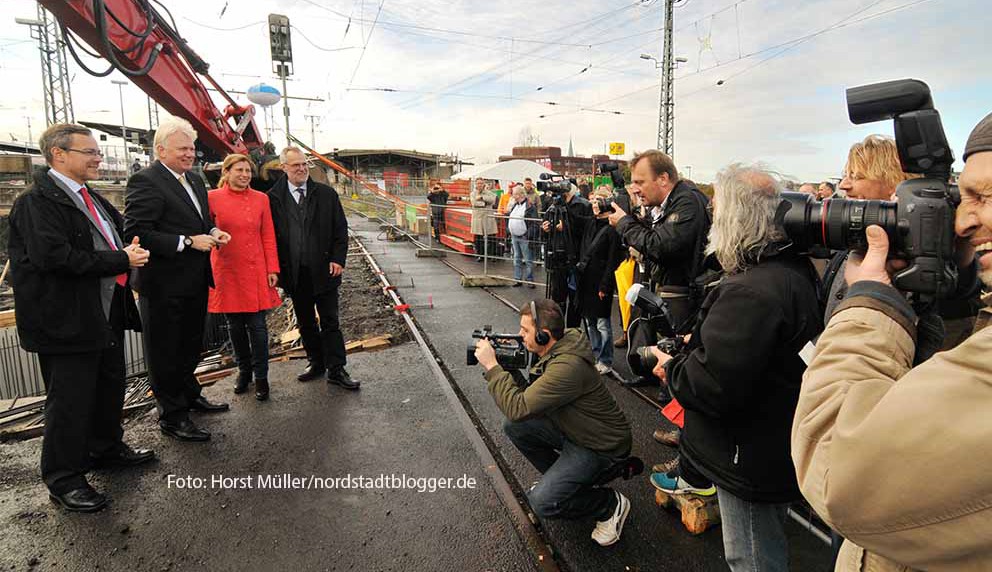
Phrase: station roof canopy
x=143 y=135
x=405 y=153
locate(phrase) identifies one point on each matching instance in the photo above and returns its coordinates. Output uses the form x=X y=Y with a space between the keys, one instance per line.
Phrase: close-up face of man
x=296 y=168
x=974 y=214
x=529 y=334
x=651 y=189
x=859 y=187
x=177 y=152
x=80 y=160
x=528 y=185
x=480 y=185
x=519 y=195
x=824 y=191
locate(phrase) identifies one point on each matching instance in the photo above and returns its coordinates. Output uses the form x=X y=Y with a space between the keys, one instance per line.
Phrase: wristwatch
x=187 y=241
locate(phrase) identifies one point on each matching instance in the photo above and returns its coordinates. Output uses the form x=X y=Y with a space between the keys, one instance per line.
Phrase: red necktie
x=121 y=278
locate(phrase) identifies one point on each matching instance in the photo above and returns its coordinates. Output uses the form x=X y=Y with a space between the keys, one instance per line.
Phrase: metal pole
x=666 y=125
x=285 y=101
x=127 y=154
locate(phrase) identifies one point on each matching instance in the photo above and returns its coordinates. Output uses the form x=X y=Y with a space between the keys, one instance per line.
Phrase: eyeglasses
x=87 y=152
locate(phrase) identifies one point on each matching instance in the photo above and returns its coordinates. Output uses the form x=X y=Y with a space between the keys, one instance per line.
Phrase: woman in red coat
x=245 y=271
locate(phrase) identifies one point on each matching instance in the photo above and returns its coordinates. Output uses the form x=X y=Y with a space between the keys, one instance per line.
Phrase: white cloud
x=788 y=111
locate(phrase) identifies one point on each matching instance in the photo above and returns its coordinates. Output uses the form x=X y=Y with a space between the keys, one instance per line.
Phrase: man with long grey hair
x=739 y=377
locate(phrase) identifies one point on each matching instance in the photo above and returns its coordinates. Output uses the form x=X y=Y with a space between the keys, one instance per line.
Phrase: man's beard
x=986 y=277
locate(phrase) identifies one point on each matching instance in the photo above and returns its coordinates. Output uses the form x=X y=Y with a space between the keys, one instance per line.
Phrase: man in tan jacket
x=892 y=457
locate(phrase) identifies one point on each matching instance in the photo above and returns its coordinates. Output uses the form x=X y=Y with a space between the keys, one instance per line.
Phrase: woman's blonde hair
x=876 y=159
x=230 y=161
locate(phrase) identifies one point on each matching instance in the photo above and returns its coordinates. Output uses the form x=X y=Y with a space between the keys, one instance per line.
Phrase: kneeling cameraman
x=565 y=422
x=739 y=377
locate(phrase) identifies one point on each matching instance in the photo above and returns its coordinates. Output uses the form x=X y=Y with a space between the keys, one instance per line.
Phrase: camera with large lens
x=554 y=184
x=510 y=351
x=920 y=223
x=605 y=204
x=622 y=198
x=642 y=360
x=654 y=310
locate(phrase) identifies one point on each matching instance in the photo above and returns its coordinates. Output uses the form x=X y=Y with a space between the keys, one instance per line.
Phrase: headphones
x=540 y=336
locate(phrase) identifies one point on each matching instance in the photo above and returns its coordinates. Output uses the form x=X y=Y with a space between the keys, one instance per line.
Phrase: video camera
x=655 y=310
x=555 y=184
x=920 y=224
x=510 y=351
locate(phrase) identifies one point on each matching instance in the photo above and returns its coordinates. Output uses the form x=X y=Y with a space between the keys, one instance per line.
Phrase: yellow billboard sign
x=617 y=148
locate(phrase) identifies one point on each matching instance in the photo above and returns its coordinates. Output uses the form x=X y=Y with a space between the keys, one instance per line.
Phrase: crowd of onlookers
x=799 y=374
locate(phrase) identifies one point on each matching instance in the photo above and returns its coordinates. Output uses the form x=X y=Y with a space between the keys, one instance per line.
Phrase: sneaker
x=602 y=368
x=669 y=466
x=607 y=531
x=674 y=484
x=667 y=438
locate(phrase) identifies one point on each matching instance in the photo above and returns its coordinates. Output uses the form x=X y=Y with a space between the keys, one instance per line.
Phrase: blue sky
x=468 y=73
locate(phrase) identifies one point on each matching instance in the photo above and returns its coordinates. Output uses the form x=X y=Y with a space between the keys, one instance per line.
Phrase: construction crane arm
x=138 y=42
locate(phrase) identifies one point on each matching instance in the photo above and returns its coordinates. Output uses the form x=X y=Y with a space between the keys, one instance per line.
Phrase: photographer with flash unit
x=888 y=454
x=565 y=422
x=738 y=377
x=670 y=239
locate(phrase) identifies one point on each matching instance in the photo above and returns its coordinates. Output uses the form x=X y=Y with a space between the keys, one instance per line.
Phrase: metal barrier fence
x=20 y=372
x=452 y=234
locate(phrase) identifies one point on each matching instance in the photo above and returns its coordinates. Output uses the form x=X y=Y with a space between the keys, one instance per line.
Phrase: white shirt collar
x=292 y=187
x=174 y=174
x=65 y=179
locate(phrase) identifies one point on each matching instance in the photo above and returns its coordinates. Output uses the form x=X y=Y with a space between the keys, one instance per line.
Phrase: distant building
x=551 y=158
x=395 y=170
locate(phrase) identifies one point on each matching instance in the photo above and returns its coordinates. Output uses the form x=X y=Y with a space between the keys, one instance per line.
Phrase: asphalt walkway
x=653 y=538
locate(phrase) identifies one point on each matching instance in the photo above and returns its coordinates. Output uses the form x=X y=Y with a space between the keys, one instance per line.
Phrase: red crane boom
x=137 y=41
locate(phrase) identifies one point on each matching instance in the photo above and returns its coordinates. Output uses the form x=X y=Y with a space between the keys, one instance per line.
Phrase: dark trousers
x=569 y=472
x=173 y=336
x=326 y=345
x=85 y=396
x=250 y=337
x=565 y=297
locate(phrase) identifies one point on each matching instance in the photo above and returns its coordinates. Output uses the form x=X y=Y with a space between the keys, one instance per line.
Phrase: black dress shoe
x=244 y=380
x=640 y=381
x=261 y=389
x=184 y=430
x=517 y=285
x=341 y=377
x=531 y=286
x=124 y=456
x=312 y=372
x=201 y=404
x=83 y=499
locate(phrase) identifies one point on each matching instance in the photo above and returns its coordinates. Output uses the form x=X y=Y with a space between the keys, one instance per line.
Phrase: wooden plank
x=479 y=281
x=290 y=337
x=7 y=319
x=376 y=343
x=698 y=513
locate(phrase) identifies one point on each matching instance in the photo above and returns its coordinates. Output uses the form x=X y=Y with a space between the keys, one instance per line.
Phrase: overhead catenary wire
x=599 y=18
x=843 y=23
x=366 y=44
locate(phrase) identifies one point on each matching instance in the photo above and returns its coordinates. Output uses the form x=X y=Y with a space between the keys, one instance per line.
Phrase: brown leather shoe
x=620 y=342
x=669 y=438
